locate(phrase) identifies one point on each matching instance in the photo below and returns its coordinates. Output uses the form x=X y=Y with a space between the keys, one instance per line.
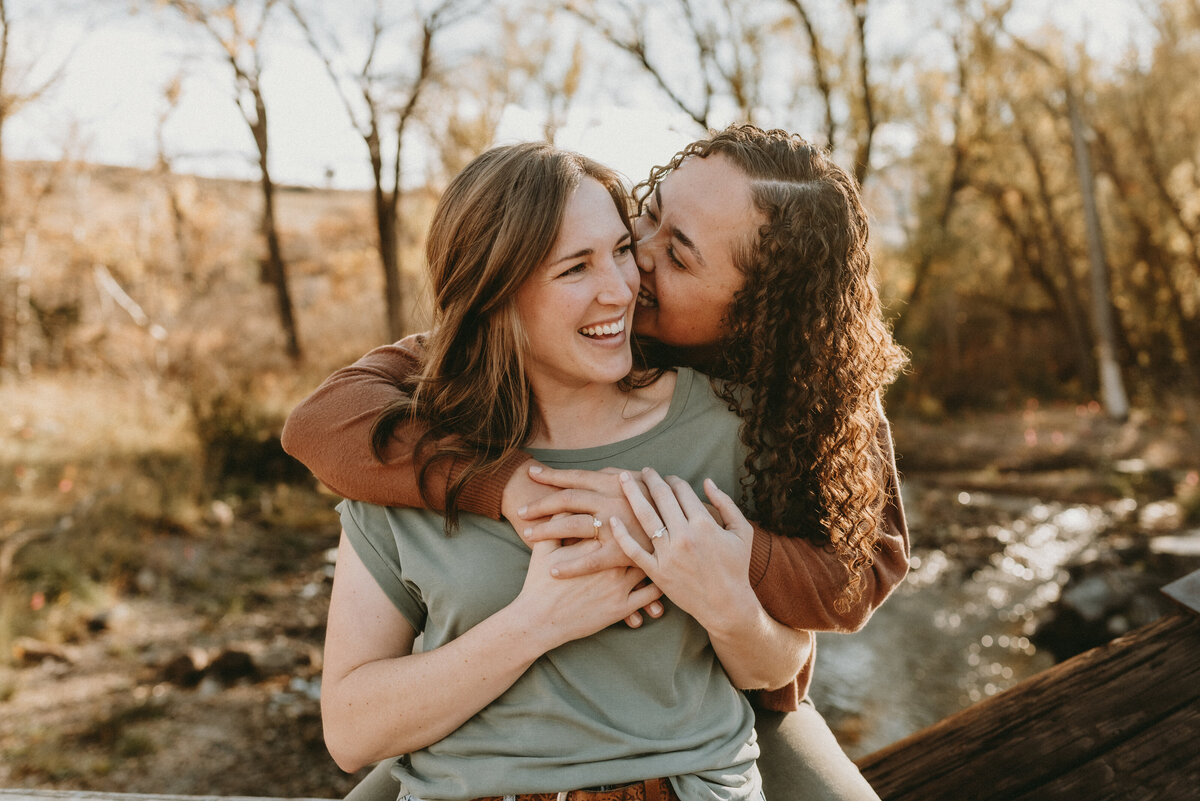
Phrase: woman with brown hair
x=752 y=247
x=522 y=686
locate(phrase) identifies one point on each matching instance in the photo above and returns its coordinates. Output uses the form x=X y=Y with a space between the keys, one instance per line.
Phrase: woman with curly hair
x=752 y=247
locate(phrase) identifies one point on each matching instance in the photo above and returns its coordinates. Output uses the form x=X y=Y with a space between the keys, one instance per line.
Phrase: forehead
x=590 y=214
x=709 y=200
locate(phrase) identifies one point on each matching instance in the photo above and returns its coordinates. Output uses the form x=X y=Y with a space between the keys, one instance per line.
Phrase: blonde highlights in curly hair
x=806 y=347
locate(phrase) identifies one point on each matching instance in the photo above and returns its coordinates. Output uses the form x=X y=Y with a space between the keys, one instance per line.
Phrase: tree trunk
x=1112 y=386
x=276 y=270
x=389 y=256
x=1069 y=297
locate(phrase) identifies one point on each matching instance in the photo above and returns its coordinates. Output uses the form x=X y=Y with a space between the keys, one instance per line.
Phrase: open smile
x=602 y=330
x=646 y=298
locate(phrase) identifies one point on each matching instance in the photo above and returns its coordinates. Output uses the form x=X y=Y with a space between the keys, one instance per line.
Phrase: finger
x=566 y=479
x=566 y=501
x=644 y=596
x=644 y=559
x=588 y=557
x=731 y=514
x=567 y=527
x=664 y=498
x=654 y=610
x=634 y=621
x=689 y=501
x=642 y=506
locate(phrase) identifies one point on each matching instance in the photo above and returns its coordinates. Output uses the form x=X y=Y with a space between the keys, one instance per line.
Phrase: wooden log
x=1118 y=722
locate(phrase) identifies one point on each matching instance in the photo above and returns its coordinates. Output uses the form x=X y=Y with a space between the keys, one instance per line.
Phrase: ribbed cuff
x=484 y=494
x=760 y=555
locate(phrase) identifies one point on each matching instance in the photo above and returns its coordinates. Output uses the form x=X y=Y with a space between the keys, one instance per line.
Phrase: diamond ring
x=661 y=532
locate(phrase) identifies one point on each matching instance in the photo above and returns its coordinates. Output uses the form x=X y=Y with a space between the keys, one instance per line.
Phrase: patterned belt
x=648 y=790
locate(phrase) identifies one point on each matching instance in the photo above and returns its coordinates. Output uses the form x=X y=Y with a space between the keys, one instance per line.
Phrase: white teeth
x=646 y=298
x=608 y=329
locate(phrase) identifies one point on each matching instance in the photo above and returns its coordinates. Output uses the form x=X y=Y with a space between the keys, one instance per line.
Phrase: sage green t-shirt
x=619 y=706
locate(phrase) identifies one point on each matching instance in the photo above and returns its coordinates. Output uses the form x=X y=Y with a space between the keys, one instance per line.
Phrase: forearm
x=366 y=718
x=330 y=433
x=757 y=651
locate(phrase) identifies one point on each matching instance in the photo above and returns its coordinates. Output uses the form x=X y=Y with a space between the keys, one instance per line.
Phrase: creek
x=988 y=571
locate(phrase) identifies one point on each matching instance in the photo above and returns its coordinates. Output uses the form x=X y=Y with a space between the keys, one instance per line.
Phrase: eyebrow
x=683 y=238
x=585 y=252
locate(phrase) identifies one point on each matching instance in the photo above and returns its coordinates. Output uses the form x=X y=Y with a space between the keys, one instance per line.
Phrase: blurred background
x=206 y=206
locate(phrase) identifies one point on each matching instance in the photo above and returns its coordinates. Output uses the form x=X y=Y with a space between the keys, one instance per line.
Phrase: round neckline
x=685 y=378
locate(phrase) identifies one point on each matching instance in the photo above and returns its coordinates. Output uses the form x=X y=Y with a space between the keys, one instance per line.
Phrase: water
x=958 y=629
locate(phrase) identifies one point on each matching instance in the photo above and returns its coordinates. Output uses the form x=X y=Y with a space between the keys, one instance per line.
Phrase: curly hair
x=806 y=347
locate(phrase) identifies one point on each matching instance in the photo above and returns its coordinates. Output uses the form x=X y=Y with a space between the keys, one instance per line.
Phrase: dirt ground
x=200 y=675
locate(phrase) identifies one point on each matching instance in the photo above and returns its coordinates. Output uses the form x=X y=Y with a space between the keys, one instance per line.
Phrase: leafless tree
x=238 y=28
x=382 y=103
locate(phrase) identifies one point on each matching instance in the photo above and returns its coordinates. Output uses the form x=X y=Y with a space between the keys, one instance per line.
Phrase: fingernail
x=537 y=468
x=523 y=510
x=656 y=609
x=554 y=572
x=635 y=620
x=624 y=476
x=527 y=532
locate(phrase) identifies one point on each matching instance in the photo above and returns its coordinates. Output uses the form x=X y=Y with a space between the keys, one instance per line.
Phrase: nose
x=643 y=250
x=618 y=283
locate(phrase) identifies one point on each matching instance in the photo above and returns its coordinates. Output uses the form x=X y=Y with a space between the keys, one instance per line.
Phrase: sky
x=105 y=106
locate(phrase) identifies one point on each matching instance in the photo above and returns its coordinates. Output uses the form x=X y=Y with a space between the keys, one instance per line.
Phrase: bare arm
x=329 y=432
x=368 y=655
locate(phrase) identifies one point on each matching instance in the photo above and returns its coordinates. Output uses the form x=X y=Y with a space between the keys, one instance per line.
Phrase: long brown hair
x=806 y=345
x=495 y=224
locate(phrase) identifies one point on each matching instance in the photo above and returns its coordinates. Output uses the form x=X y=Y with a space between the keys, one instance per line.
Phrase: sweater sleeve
x=330 y=433
x=798 y=581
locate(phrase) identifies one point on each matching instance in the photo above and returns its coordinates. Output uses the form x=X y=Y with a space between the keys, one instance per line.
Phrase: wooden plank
x=1058 y=728
x=1185 y=591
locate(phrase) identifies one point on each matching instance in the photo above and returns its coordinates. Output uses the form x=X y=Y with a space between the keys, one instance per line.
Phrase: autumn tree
x=381 y=95
x=238 y=29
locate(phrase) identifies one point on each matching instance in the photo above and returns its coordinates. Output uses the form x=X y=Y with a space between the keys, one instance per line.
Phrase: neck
x=591 y=415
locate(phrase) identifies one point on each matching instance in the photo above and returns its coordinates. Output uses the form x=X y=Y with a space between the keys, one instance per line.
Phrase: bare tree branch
x=820 y=74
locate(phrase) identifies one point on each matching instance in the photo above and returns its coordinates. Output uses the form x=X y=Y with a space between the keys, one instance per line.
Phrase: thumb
x=732 y=516
x=645 y=560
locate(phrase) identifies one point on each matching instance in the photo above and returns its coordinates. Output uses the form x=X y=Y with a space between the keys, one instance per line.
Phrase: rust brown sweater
x=796 y=581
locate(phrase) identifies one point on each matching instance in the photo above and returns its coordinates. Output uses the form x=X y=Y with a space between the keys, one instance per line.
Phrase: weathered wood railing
x=1118 y=722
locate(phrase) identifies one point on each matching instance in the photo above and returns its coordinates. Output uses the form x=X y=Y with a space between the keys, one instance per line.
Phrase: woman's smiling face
x=690 y=229
x=576 y=307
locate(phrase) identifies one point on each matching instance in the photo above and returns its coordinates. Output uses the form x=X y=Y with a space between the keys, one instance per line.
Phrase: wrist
x=519 y=490
x=738 y=615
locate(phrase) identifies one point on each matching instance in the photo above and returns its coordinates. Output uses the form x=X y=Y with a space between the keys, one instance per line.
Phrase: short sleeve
x=370 y=531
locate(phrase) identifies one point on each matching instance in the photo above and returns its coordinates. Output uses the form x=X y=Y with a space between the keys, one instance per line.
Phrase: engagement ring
x=662 y=531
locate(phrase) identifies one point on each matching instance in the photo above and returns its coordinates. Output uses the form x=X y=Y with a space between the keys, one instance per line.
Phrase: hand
x=702 y=566
x=570 y=609
x=581 y=498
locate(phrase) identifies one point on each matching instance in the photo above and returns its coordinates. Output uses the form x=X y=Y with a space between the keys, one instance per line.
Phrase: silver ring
x=596 y=524
x=661 y=532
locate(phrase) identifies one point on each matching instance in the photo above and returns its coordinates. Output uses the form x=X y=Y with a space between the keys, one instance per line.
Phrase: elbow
x=348 y=762
x=343 y=739
x=288 y=438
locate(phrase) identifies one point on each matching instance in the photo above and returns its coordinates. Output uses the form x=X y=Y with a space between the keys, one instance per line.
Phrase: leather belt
x=648 y=790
